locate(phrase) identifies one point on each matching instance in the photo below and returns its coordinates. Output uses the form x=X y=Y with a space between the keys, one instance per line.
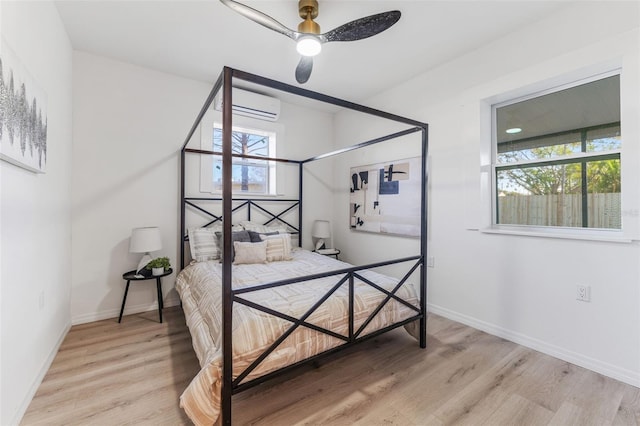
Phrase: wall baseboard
x=40 y=377
x=606 y=369
x=129 y=310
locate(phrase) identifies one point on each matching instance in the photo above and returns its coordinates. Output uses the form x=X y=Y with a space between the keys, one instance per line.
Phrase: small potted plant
x=159 y=265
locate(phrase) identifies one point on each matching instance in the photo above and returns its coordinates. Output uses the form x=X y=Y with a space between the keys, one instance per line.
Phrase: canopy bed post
x=227 y=209
x=423 y=237
x=351 y=294
x=182 y=207
x=300 y=227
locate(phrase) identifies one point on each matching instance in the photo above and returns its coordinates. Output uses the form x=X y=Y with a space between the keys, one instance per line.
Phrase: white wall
x=521 y=287
x=35 y=224
x=129 y=125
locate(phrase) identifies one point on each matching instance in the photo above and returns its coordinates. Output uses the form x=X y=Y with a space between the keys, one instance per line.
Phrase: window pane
x=249 y=175
x=557 y=158
x=604 y=139
x=246 y=177
x=585 y=106
x=552 y=195
x=604 y=190
x=245 y=143
x=540 y=196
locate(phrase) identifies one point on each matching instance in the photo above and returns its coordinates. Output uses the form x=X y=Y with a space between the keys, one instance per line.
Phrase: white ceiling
x=195 y=39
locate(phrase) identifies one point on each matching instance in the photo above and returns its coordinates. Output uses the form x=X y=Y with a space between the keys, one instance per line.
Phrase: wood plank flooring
x=134 y=372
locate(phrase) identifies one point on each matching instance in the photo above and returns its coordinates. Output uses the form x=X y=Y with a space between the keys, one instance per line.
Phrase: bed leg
x=225 y=413
x=423 y=331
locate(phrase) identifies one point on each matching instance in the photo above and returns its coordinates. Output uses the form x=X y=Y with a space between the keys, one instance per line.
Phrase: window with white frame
x=556 y=157
x=249 y=175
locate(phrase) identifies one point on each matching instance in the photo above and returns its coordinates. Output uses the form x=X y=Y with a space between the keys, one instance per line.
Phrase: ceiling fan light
x=309 y=46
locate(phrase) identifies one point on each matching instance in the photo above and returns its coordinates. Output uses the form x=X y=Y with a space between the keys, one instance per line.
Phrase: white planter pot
x=157 y=271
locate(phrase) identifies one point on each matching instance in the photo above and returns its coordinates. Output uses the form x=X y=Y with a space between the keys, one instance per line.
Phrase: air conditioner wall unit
x=250 y=104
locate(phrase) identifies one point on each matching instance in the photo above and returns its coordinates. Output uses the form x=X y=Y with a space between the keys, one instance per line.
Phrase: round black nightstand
x=329 y=252
x=131 y=276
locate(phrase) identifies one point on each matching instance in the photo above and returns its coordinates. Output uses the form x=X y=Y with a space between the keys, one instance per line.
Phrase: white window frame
x=488 y=166
x=275 y=132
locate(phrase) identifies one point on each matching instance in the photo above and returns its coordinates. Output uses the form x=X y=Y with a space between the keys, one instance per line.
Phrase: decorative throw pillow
x=217 y=227
x=246 y=253
x=242 y=236
x=256 y=237
x=263 y=229
x=278 y=247
x=203 y=244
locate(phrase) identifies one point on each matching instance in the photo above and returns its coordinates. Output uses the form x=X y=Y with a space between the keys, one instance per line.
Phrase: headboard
x=204 y=212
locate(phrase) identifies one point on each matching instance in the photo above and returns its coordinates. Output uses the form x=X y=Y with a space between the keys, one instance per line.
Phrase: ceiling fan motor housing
x=308 y=10
x=308 y=7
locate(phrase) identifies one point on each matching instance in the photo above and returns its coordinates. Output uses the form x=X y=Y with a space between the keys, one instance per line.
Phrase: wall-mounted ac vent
x=250 y=104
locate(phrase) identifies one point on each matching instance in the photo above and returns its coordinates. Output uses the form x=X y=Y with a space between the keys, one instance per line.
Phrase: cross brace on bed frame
x=348 y=276
x=345 y=276
x=244 y=203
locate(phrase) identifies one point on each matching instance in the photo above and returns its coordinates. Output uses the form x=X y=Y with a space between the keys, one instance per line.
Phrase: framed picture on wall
x=385 y=197
x=23 y=115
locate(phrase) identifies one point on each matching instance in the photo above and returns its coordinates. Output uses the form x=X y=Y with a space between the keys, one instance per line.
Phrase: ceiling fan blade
x=303 y=70
x=363 y=27
x=261 y=18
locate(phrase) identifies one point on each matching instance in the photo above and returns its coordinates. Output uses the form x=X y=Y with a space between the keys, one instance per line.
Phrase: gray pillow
x=256 y=237
x=241 y=236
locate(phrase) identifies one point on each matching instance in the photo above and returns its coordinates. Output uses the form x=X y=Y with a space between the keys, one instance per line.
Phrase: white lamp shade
x=145 y=240
x=321 y=229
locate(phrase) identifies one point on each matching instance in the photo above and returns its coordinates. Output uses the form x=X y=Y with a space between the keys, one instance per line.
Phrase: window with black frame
x=557 y=158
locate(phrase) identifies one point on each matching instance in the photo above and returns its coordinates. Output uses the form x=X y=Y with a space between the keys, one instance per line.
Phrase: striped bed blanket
x=200 y=289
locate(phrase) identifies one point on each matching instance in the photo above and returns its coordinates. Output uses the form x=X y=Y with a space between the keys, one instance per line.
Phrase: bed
x=200 y=289
x=258 y=317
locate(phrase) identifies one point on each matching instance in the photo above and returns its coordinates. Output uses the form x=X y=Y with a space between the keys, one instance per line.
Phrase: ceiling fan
x=308 y=37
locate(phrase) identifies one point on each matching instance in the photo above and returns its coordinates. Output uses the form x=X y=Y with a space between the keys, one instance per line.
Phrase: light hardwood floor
x=134 y=372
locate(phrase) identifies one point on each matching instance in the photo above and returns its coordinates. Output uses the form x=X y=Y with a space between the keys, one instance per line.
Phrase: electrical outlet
x=431 y=261
x=583 y=293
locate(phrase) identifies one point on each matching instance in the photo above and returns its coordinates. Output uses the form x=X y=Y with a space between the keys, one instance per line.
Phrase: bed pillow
x=217 y=227
x=203 y=244
x=256 y=237
x=263 y=229
x=247 y=253
x=278 y=247
x=241 y=236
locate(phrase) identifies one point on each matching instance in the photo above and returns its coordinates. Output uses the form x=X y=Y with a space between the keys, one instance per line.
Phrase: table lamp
x=145 y=240
x=321 y=231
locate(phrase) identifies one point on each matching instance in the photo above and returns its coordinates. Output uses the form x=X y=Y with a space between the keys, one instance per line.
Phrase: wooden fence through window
x=604 y=210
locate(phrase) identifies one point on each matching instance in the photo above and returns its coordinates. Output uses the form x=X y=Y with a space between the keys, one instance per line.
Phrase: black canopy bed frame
x=231 y=205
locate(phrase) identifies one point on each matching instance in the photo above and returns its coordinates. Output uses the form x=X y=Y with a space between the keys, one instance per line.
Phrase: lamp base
x=143 y=262
x=320 y=244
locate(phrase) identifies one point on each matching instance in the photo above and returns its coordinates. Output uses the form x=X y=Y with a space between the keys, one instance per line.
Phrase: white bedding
x=199 y=286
